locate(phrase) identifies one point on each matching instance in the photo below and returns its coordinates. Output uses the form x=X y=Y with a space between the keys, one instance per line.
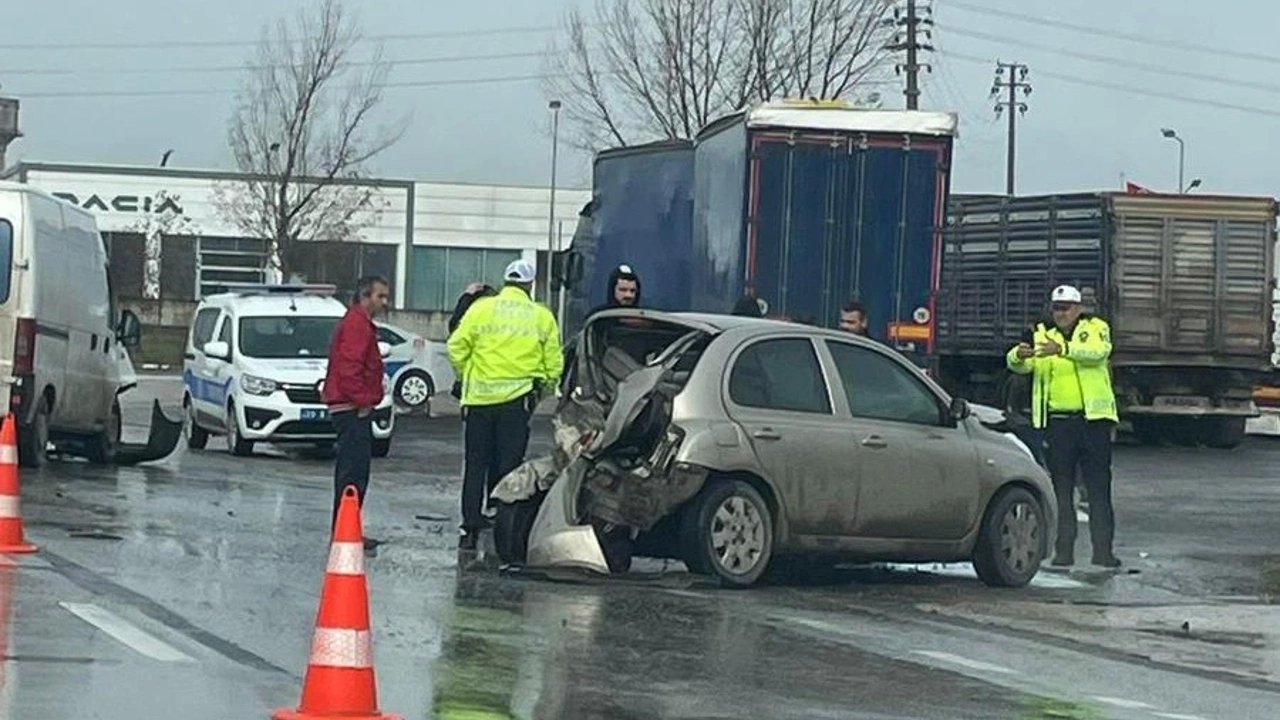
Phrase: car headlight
x=255 y=385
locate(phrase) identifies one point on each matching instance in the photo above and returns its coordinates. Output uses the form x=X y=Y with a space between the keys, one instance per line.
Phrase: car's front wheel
x=381 y=448
x=732 y=533
x=1013 y=540
x=236 y=444
x=197 y=437
x=102 y=447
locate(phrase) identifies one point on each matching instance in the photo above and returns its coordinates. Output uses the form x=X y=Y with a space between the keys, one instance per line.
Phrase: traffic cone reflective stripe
x=340 y=680
x=12 y=533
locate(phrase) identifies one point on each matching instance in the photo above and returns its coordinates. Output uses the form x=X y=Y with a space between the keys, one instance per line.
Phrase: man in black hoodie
x=623 y=291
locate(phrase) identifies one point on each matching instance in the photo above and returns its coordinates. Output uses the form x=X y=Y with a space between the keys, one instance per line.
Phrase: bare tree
x=639 y=70
x=301 y=130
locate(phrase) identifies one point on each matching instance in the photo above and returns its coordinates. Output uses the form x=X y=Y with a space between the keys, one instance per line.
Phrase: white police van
x=255 y=365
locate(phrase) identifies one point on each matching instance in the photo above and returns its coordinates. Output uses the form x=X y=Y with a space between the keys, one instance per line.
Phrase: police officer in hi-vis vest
x=1072 y=401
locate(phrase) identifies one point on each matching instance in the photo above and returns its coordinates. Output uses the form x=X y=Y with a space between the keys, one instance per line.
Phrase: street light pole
x=1182 y=157
x=554 y=105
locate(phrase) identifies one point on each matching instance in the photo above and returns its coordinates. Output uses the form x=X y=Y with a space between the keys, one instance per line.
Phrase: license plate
x=313 y=414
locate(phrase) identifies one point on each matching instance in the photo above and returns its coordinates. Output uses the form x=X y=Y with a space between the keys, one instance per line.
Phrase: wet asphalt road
x=189 y=589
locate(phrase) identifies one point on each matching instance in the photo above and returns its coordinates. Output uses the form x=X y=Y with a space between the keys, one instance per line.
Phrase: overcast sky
x=1086 y=127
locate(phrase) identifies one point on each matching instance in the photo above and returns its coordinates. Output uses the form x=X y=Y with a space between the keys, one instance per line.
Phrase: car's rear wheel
x=236 y=444
x=1013 y=540
x=102 y=447
x=197 y=437
x=413 y=390
x=732 y=533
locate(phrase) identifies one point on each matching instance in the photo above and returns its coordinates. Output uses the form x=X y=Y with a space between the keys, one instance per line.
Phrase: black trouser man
x=353 y=449
x=496 y=439
x=1076 y=443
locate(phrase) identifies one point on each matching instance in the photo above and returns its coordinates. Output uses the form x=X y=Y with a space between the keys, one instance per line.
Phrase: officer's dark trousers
x=496 y=439
x=1075 y=443
x=354 y=448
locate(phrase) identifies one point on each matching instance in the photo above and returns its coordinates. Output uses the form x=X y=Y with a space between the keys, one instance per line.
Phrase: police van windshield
x=286 y=337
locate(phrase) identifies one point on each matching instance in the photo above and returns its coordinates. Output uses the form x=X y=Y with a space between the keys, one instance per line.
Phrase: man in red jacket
x=353 y=385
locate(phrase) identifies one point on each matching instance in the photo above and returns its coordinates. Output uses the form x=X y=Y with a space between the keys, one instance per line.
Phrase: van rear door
x=10 y=227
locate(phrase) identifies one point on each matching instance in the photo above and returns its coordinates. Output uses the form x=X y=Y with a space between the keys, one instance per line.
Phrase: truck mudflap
x=162 y=438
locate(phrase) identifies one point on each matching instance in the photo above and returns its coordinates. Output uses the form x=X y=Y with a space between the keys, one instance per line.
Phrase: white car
x=255 y=364
x=418 y=368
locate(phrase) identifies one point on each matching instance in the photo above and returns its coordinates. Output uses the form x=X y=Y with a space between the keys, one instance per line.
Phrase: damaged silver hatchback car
x=738 y=445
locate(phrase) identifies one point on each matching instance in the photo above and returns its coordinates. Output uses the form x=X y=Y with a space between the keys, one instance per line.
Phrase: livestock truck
x=805 y=206
x=1185 y=282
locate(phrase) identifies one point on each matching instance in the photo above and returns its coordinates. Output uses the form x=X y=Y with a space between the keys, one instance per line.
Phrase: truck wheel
x=1224 y=433
x=102 y=447
x=33 y=439
x=1013 y=540
x=1180 y=431
x=1147 y=431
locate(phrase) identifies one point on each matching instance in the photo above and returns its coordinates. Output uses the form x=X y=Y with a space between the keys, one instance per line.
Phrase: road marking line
x=965 y=662
x=127 y=634
x=1177 y=716
x=1122 y=703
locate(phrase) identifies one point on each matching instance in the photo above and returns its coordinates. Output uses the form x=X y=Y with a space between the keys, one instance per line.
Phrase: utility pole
x=908 y=40
x=1013 y=78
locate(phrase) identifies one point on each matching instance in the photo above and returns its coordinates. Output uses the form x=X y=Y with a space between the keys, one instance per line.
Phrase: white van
x=255 y=366
x=62 y=363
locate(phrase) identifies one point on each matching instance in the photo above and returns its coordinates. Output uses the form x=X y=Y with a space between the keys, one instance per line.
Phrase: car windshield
x=286 y=337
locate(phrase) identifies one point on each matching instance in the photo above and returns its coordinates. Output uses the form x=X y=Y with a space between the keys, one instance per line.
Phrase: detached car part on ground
x=680 y=436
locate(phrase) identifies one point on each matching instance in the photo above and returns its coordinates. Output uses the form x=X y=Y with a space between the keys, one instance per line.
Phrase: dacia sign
x=123 y=203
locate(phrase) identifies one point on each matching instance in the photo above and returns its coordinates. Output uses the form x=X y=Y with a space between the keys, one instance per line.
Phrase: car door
x=197 y=376
x=917 y=470
x=220 y=369
x=777 y=392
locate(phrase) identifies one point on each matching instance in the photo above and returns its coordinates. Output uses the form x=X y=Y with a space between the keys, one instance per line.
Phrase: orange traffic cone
x=12 y=538
x=340 y=682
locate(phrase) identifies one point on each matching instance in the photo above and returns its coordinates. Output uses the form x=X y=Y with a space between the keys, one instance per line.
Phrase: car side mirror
x=384 y=349
x=960 y=409
x=129 y=330
x=218 y=349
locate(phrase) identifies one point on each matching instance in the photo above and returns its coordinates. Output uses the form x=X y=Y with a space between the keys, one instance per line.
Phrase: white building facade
x=170 y=239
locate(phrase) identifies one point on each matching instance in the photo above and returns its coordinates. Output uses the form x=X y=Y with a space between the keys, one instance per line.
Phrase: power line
x=1248 y=109
x=1129 y=37
x=171 y=44
x=243 y=67
x=195 y=92
x=1112 y=60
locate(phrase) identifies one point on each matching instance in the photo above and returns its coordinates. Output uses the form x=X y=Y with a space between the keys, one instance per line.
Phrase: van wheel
x=197 y=437
x=1013 y=539
x=381 y=448
x=236 y=445
x=732 y=533
x=102 y=447
x=33 y=439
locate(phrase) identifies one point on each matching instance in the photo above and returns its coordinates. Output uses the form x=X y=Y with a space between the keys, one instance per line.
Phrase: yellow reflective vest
x=503 y=344
x=1078 y=379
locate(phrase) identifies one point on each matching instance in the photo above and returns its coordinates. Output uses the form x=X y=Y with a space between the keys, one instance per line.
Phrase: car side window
x=782 y=374
x=203 y=330
x=389 y=337
x=879 y=388
x=224 y=335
